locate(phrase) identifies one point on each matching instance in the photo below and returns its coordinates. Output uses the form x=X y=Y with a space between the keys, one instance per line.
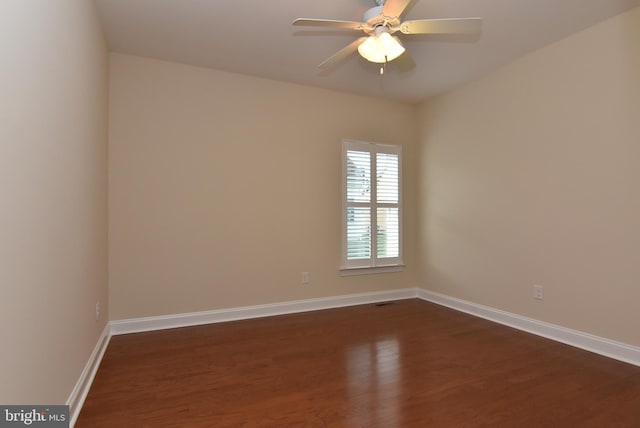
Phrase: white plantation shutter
x=358 y=176
x=358 y=200
x=359 y=233
x=387 y=195
x=371 y=205
x=388 y=233
x=387 y=177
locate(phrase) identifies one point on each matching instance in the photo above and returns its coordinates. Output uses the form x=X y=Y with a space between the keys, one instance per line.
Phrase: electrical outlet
x=98 y=310
x=538 y=292
x=305 y=278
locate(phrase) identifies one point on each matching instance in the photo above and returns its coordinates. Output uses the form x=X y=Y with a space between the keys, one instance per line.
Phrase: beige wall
x=530 y=176
x=224 y=188
x=53 y=182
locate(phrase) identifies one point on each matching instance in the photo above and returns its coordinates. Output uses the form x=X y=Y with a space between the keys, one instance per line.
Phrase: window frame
x=372 y=264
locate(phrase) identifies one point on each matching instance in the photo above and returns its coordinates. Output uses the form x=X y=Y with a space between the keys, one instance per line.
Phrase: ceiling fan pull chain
x=383 y=67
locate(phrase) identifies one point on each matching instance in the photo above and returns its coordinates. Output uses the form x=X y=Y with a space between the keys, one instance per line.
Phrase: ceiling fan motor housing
x=374 y=18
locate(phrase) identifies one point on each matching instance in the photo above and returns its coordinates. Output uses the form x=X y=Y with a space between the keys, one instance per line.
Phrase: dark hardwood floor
x=409 y=364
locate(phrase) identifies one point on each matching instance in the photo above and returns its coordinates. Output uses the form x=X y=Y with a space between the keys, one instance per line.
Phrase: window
x=372 y=207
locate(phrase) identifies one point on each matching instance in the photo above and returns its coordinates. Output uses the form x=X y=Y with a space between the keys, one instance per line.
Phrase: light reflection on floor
x=375 y=379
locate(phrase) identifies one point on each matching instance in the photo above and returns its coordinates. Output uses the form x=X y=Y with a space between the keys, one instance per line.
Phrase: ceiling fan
x=380 y=23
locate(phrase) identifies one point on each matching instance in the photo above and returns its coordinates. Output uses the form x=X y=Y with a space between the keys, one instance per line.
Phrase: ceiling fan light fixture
x=381 y=47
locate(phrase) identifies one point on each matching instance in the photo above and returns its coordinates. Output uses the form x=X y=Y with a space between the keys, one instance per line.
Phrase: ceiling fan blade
x=442 y=26
x=342 y=53
x=352 y=25
x=394 y=8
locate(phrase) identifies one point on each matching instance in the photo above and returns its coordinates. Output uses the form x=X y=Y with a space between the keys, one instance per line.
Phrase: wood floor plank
x=409 y=364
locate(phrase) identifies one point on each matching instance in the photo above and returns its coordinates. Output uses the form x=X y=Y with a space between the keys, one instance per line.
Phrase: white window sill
x=370 y=270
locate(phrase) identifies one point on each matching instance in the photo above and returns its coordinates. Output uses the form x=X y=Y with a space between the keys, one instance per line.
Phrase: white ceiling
x=256 y=38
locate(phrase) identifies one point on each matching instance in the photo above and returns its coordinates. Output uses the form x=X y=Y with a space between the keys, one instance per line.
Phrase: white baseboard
x=137 y=325
x=599 y=345
x=81 y=389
